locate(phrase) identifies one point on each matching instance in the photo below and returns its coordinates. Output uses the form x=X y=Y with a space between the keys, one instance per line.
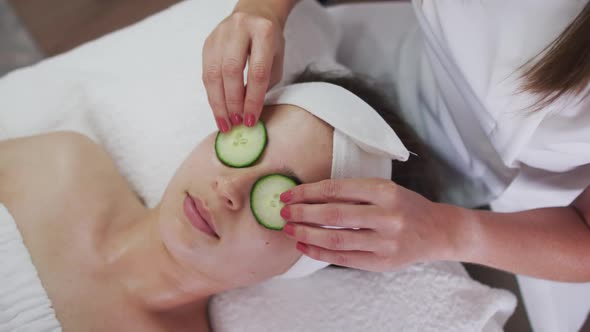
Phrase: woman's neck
x=134 y=254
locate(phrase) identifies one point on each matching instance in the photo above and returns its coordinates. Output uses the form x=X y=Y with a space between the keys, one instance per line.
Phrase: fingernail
x=250 y=119
x=236 y=119
x=285 y=213
x=222 y=124
x=286 y=196
x=301 y=247
x=289 y=229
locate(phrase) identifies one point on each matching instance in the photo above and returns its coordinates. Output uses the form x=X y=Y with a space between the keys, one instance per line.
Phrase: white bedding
x=138 y=92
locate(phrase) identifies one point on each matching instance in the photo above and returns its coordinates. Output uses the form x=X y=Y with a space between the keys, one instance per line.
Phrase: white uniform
x=455 y=65
x=469 y=86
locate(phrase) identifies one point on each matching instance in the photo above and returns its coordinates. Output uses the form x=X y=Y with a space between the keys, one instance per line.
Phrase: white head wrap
x=363 y=144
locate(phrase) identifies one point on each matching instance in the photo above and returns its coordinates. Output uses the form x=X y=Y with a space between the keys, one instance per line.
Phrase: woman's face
x=243 y=252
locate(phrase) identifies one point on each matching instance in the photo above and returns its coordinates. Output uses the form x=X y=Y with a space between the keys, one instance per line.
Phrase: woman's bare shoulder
x=51 y=163
x=32 y=148
x=22 y=155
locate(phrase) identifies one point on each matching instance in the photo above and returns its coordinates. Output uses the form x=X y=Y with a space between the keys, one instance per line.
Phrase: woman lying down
x=80 y=252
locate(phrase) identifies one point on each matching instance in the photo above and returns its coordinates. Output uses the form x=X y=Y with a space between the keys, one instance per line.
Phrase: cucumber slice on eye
x=265 y=201
x=242 y=146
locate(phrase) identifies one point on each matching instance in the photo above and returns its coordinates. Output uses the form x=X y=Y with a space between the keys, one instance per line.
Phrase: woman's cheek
x=269 y=244
x=281 y=248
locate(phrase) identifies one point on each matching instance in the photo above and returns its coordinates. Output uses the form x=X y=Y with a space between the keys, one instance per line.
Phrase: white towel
x=24 y=305
x=138 y=92
x=429 y=297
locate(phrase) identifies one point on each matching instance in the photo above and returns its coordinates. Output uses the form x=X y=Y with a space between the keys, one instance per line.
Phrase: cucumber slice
x=265 y=201
x=242 y=146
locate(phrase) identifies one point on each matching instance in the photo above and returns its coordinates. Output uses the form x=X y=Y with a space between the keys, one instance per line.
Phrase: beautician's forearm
x=549 y=243
x=280 y=9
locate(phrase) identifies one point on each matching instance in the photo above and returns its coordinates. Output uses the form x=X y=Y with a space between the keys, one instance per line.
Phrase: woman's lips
x=192 y=208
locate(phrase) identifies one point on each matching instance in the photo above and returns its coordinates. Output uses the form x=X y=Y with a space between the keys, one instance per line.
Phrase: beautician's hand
x=397 y=226
x=252 y=34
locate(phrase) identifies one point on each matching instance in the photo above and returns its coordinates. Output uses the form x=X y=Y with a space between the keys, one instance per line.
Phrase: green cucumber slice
x=265 y=201
x=242 y=146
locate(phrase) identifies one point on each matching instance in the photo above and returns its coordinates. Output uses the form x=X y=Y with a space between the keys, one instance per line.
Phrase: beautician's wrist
x=461 y=233
x=275 y=10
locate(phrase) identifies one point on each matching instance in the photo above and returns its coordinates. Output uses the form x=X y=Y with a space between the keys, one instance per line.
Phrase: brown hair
x=418 y=172
x=564 y=69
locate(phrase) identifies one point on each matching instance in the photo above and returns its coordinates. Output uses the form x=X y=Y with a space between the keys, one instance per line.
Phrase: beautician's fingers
x=407 y=227
x=375 y=191
x=362 y=260
x=336 y=239
x=213 y=81
x=337 y=214
x=257 y=36
x=265 y=67
x=232 y=67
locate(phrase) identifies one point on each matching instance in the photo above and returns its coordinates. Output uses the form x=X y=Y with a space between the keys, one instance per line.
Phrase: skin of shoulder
x=43 y=166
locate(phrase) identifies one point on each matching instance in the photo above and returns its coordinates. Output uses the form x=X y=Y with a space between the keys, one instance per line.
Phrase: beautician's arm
x=550 y=243
x=396 y=227
x=252 y=34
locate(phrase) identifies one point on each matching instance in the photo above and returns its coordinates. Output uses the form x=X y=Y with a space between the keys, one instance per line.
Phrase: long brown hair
x=564 y=69
x=418 y=173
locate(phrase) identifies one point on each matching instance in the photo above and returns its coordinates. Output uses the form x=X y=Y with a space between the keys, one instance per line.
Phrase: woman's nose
x=232 y=190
